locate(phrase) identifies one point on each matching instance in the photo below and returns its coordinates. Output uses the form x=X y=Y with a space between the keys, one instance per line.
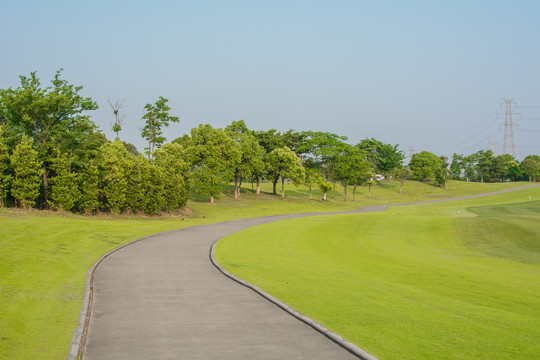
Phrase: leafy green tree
x=252 y=154
x=325 y=187
x=89 y=180
x=285 y=164
x=402 y=174
x=443 y=174
x=504 y=167
x=469 y=166
x=530 y=166
x=313 y=174
x=52 y=117
x=65 y=193
x=457 y=165
x=351 y=167
x=113 y=167
x=385 y=158
x=324 y=148
x=484 y=162
x=156 y=117
x=425 y=165
x=170 y=159
x=212 y=155
x=5 y=170
x=27 y=173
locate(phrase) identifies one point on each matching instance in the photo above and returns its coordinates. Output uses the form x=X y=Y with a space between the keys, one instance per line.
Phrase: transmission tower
x=509 y=145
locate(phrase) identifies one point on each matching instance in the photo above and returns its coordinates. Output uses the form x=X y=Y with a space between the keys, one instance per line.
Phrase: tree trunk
x=353 y=192
x=212 y=199
x=274 y=185
x=258 y=187
x=369 y=191
x=310 y=198
x=282 y=188
x=239 y=187
x=345 y=192
x=401 y=187
x=236 y=176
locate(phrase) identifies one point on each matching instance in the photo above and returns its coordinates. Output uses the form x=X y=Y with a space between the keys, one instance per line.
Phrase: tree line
x=53 y=156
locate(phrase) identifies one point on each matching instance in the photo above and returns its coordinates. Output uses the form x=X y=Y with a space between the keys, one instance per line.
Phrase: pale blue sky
x=423 y=74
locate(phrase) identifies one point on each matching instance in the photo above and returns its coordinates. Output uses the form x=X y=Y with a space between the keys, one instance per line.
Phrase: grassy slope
x=414 y=281
x=44 y=257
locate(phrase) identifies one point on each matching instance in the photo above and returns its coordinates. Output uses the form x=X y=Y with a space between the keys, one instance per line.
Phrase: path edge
x=355 y=350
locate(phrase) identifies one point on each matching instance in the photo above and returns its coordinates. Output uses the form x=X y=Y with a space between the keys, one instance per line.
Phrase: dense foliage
x=53 y=156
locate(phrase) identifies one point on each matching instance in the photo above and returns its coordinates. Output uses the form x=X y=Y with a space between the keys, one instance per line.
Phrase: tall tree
x=530 y=166
x=425 y=165
x=65 y=193
x=156 y=117
x=170 y=158
x=351 y=167
x=113 y=167
x=53 y=117
x=285 y=164
x=89 y=186
x=212 y=155
x=118 y=118
x=484 y=161
x=324 y=148
x=402 y=174
x=27 y=173
x=252 y=154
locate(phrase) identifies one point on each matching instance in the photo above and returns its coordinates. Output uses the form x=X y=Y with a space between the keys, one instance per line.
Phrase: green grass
x=417 y=281
x=44 y=256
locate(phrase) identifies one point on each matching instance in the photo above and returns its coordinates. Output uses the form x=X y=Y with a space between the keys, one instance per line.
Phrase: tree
x=324 y=148
x=5 y=170
x=156 y=117
x=251 y=160
x=385 y=158
x=27 y=173
x=457 y=165
x=113 y=167
x=285 y=164
x=118 y=119
x=351 y=167
x=325 y=186
x=65 y=193
x=530 y=166
x=52 y=117
x=213 y=155
x=402 y=174
x=504 y=167
x=442 y=175
x=89 y=186
x=170 y=158
x=484 y=161
x=425 y=165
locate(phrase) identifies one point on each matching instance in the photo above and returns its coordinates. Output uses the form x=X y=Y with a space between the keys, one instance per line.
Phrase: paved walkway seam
x=355 y=350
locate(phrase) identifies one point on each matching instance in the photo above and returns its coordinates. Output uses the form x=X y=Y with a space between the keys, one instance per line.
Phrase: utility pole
x=509 y=145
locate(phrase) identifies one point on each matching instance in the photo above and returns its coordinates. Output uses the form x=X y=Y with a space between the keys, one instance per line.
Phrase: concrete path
x=161 y=298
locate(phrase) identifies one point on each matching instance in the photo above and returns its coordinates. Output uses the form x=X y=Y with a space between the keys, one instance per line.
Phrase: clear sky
x=429 y=75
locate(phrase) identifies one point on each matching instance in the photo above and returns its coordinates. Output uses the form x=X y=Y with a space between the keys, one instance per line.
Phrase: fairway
x=421 y=281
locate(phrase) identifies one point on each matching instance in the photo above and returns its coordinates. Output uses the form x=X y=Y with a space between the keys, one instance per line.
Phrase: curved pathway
x=162 y=298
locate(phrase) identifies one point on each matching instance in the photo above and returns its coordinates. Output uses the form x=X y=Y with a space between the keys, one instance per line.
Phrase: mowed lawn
x=413 y=282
